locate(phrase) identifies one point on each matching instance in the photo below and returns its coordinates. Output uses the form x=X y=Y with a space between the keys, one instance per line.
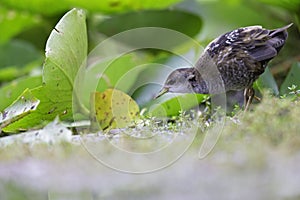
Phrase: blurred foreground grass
x=256 y=157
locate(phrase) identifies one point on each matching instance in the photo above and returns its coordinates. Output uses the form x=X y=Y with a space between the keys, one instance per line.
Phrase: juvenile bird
x=233 y=61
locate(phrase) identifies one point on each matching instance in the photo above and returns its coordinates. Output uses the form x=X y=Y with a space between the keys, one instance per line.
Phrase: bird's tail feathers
x=282 y=29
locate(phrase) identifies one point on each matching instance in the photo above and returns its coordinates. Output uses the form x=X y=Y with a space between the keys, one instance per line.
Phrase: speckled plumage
x=243 y=54
x=232 y=61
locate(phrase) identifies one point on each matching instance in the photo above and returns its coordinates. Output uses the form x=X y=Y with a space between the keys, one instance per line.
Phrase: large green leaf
x=11 y=91
x=13 y=22
x=181 y=21
x=291 y=79
x=66 y=49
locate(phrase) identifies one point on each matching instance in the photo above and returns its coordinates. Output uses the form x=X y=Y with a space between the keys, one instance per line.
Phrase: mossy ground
x=256 y=157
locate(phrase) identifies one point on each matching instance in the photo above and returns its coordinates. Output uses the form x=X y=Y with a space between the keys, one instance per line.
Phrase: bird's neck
x=198 y=84
x=209 y=79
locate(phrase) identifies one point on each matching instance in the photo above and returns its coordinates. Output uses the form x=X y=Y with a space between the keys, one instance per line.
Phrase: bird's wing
x=259 y=43
x=263 y=53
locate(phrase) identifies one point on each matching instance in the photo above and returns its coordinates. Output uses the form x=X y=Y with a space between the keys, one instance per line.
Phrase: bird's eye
x=191 y=77
x=171 y=81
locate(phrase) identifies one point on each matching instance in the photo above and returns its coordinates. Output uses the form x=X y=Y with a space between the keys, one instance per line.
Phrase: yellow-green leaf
x=112 y=109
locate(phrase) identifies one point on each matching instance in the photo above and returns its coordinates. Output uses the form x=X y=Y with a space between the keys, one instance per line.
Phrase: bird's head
x=179 y=81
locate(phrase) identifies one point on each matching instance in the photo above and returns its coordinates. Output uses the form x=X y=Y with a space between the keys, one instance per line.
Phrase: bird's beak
x=161 y=92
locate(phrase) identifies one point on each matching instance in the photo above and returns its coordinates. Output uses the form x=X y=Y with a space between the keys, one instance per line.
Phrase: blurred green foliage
x=26 y=25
